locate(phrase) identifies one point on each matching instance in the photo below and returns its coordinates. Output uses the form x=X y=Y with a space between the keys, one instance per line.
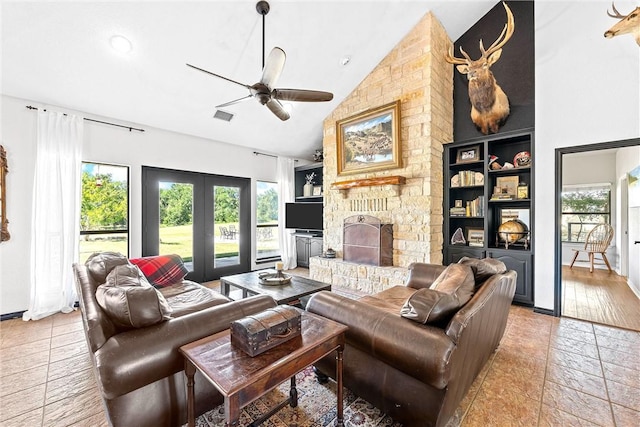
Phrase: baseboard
x=543 y=311
x=18 y=314
x=15 y=315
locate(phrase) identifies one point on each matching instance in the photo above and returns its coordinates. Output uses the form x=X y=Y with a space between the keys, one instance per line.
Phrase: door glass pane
x=226 y=217
x=176 y=220
x=104 y=211
x=267 y=221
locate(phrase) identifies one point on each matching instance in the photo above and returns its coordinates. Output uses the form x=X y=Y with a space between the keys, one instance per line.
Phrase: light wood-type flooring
x=599 y=297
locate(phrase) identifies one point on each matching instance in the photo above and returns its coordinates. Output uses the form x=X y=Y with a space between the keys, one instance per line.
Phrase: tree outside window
x=104 y=209
x=582 y=209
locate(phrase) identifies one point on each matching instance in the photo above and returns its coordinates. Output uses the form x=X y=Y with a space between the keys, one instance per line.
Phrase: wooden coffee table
x=289 y=293
x=241 y=379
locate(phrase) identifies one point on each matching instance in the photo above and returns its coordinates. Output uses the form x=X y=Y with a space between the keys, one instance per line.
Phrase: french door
x=203 y=218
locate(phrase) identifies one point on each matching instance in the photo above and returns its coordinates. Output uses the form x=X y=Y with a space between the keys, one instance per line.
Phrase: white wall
x=626 y=160
x=108 y=144
x=587 y=91
x=591 y=168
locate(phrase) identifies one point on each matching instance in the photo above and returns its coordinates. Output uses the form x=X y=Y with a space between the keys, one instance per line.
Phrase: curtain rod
x=96 y=121
x=257 y=153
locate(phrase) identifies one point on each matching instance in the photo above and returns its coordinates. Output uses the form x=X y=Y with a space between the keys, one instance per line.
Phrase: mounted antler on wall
x=628 y=24
x=489 y=103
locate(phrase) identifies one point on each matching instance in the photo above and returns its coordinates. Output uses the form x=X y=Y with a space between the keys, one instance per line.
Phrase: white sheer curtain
x=55 y=219
x=286 y=186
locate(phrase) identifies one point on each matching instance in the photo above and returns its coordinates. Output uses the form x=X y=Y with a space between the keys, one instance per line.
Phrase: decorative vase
x=307 y=190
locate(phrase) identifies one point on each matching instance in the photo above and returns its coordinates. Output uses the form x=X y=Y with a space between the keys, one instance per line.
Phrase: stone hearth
x=364 y=278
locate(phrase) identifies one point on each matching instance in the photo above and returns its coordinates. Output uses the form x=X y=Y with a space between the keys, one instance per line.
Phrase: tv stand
x=307 y=245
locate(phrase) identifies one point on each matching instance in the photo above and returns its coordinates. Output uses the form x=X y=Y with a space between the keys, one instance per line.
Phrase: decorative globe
x=513 y=230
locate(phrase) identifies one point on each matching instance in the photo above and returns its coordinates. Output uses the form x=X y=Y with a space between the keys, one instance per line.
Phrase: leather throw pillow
x=129 y=300
x=448 y=293
x=483 y=268
x=100 y=264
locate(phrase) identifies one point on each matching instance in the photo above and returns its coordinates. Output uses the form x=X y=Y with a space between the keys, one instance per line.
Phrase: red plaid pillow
x=162 y=270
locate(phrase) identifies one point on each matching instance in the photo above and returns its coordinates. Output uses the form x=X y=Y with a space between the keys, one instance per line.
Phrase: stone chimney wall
x=416 y=73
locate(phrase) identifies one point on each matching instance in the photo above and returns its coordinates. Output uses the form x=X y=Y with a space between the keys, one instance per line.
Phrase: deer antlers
x=617 y=15
x=503 y=38
x=489 y=103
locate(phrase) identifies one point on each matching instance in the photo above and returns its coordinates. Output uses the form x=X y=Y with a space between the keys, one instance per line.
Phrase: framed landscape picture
x=369 y=141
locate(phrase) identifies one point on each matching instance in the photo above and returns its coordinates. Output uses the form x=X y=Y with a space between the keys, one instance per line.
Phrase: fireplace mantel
x=369 y=182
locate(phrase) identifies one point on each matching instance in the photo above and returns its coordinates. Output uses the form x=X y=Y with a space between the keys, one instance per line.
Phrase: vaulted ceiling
x=58 y=53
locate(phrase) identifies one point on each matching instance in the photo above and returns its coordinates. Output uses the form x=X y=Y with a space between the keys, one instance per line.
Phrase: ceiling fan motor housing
x=261 y=92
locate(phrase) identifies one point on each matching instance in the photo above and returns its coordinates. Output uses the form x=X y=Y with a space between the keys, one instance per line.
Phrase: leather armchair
x=139 y=372
x=414 y=372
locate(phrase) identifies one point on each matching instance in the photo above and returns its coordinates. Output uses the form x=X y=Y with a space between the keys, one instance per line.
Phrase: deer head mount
x=628 y=24
x=489 y=104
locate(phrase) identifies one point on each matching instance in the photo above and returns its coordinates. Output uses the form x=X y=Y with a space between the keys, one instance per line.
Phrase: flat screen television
x=304 y=216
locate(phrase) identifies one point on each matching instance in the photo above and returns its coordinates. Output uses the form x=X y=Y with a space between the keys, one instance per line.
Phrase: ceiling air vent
x=223 y=115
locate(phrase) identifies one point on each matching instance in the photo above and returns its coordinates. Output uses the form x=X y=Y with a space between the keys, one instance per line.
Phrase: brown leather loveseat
x=410 y=350
x=138 y=368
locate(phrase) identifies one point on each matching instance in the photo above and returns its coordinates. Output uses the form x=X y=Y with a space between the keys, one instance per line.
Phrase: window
x=584 y=207
x=104 y=211
x=267 y=246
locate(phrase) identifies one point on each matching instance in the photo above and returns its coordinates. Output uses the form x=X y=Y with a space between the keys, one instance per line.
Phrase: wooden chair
x=597 y=242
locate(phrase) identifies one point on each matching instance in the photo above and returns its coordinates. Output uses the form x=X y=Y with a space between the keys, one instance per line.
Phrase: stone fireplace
x=409 y=197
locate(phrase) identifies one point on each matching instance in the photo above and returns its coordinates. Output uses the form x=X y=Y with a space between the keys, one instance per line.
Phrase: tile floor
x=546 y=372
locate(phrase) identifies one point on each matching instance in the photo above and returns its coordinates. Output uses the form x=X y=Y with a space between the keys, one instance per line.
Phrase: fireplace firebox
x=367 y=241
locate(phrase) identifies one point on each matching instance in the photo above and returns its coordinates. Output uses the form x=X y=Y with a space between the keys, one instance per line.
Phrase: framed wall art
x=369 y=141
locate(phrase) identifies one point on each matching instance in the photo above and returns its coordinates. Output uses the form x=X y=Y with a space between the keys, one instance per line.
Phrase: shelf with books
x=492 y=186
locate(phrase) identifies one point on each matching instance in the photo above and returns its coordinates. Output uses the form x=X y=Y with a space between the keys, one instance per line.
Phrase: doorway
x=204 y=218
x=601 y=296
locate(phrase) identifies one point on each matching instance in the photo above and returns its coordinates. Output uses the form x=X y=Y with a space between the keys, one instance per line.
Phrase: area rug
x=316 y=407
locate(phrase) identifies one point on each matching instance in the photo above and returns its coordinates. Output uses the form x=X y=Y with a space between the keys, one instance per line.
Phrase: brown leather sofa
x=417 y=373
x=139 y=371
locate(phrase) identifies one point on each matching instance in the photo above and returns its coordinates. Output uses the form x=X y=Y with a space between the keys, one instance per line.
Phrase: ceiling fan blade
x=273 y=67
x=301 y=95
x=277 y=109
x=219 y=76
x=235 y=101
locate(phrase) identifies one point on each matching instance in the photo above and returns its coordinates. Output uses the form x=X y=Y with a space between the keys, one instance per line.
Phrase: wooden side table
x=241 y=379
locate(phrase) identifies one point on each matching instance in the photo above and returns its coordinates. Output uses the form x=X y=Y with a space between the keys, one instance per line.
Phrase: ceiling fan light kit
x=264 y=90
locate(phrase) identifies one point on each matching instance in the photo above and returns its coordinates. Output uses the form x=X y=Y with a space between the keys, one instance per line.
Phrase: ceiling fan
x=264 y=90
